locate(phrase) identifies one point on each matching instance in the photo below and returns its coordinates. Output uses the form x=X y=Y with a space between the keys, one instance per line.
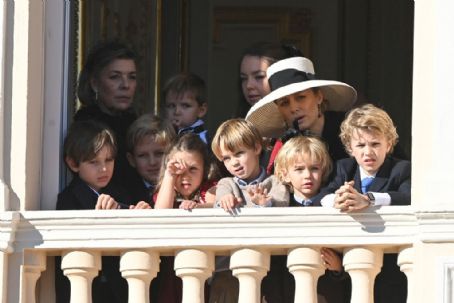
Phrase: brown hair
x=85 y=139
x=99 y=57
x=234 y=134
x=186 y=82
x=191 y=143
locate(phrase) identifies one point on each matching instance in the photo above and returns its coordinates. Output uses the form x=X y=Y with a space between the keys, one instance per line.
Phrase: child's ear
x=258 y=149
x=131 y=159
x=286 y=177
x=389 y=147
x=202 y=110
x=94 y=84
x=73 y=166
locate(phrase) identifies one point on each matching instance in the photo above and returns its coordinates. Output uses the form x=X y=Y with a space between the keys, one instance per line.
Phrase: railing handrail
x=170 y=230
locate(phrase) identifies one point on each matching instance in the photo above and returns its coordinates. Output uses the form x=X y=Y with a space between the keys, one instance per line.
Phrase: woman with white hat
x=300 y=102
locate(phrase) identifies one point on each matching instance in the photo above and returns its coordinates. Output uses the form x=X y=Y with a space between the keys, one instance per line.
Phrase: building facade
x=33 y=82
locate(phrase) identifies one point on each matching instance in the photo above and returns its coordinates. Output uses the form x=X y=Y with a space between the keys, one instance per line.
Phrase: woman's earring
x=319 y=107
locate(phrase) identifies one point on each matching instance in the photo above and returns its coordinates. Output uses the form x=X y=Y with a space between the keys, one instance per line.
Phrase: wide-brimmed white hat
x=290 y=76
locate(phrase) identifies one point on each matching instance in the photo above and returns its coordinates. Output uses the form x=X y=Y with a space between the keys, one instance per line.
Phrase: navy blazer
x=78 y=195
x=393 y=177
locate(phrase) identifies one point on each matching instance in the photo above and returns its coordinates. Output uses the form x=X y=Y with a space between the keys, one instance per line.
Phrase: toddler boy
x=186 y=104
x=238 y=145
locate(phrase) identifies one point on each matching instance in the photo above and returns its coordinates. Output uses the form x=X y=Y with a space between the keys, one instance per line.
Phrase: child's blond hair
x=369 y=118
x=150 y=125
x=234 y=134
x=302 y=147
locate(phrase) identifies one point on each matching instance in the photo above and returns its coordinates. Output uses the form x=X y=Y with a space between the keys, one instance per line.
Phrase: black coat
x=108 y=286
x=393 y=177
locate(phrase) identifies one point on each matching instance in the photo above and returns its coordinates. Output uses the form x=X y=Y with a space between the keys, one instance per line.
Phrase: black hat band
x=288 y=76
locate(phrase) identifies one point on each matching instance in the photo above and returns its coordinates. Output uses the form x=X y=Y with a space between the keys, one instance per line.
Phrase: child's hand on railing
x=140 y=205
x=229 y=202
x=259 y=195
x=188 y=204
x=106 y=202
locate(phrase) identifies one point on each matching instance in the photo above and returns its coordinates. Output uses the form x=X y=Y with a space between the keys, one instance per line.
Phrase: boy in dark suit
x=148 y=140
x=89 y=152
x=372 y=177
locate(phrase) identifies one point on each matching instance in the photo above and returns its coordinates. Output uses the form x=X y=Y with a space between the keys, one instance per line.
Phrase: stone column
x=363 y=264
x=139 y=268
x=81 y=267
x=306 y=266
x=34 y=264
x=405 y=260
x=249 y=266
x=194 y=266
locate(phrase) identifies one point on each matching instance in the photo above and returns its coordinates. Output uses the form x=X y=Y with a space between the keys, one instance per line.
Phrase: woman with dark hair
x=254 y=61
x=106 y=88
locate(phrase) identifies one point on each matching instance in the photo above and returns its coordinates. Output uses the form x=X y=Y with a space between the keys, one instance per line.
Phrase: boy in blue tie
x=372 y=178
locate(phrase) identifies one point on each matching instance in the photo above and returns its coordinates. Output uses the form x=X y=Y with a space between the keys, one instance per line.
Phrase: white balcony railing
x=195 y=238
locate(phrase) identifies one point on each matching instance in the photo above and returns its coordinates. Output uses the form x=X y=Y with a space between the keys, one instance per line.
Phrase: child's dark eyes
x=186 y=105
x=170 y=105
x=110 y=159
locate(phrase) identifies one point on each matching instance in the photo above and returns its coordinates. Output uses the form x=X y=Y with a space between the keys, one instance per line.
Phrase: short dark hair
x=98 y=58
x=85 y=139
x=186 y=82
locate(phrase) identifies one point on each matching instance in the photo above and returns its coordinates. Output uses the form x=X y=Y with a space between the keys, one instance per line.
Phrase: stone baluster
x=194 y=266
x=306 y=266
x=81 y=267
x=363 y=265
x=139 y=268
x=249 y=266
x=406 y=262
x=34 y=264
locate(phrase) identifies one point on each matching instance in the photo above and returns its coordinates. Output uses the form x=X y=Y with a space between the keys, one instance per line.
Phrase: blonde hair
x=302 y=146
x=368 y=118
x=234 y=134
x=150 y=125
